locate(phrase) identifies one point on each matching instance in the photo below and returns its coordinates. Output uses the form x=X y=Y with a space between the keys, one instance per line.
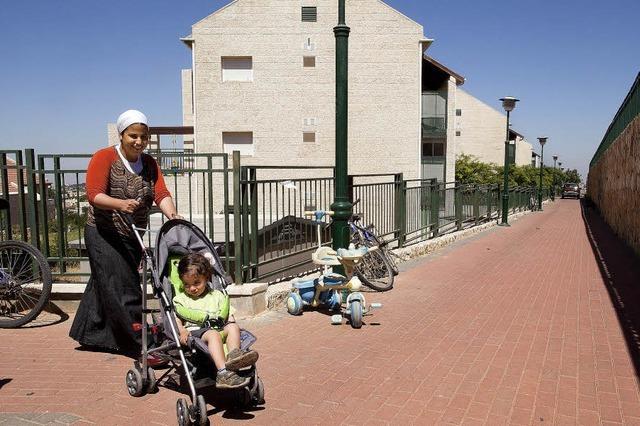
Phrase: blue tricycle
x=331 y=290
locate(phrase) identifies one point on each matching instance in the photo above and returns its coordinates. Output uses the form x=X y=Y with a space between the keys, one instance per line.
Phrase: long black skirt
x=111 y=302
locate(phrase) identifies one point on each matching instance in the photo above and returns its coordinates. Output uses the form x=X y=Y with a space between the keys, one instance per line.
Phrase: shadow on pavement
x=50 y=315
x=620 y=270
x=4 y=382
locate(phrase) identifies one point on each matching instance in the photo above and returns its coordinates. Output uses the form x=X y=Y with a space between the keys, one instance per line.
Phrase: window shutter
x=309 y=14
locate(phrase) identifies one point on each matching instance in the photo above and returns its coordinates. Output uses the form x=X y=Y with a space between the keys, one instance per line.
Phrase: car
x=570 y=190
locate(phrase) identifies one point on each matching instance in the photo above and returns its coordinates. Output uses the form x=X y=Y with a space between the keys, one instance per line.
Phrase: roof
x=459 y=79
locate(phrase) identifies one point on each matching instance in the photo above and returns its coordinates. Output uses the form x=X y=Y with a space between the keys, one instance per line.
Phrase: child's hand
x=184 y=336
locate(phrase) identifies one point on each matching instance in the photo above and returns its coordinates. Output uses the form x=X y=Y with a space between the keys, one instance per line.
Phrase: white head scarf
x=130 y=117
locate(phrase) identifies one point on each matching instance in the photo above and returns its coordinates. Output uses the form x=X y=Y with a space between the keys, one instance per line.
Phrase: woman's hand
x=129 y=206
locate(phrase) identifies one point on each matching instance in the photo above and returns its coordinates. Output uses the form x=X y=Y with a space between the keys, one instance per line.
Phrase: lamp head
x=555 y=158
x=542 y=140
x=509 y=103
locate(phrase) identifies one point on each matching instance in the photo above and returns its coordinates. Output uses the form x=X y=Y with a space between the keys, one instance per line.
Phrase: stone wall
x=614 y=184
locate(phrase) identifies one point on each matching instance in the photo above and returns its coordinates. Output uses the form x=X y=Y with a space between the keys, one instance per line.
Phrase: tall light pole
x=341 y=206
x=561 y=171
x=553 y=194
x=542 y=141
x=508 y=103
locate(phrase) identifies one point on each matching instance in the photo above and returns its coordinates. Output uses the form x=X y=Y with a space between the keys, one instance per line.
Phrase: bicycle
x=377 y=269
x=25 y=281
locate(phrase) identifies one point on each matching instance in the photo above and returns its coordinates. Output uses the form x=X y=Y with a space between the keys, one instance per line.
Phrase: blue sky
x=71 y=66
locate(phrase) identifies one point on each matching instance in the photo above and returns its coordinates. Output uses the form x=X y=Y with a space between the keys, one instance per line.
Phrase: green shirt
x=195 y=311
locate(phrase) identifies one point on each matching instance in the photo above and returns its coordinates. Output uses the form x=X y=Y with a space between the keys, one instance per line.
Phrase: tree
x=572 y=175
x=470 y=170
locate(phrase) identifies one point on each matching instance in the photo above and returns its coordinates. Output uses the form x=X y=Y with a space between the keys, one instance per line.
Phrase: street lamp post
x=561 y=171
x=341 y=206
x=542 y=141
x=508 y=103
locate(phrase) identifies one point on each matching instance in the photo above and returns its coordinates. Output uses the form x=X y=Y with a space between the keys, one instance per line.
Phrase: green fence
x=629 y=109
x=255 y=215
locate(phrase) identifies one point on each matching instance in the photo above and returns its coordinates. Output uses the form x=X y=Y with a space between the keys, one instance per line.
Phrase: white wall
x=384 y=84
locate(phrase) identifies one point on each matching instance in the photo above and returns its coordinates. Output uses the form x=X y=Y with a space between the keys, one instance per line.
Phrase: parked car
x=571 y=190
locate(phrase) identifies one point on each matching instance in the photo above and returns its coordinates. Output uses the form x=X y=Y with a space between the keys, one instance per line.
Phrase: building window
x=238 y=141
x=308 y=136
x=237 y=68
x=458 y=132
x=433 y=149
x=309 y=61
x=458 y=112
x=309 y=14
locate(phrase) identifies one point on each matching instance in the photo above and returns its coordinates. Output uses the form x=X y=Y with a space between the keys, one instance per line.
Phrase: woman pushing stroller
x=205 y=313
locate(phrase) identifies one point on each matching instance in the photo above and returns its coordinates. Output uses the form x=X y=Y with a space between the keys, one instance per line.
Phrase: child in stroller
x=162 y=338
x=205 y=313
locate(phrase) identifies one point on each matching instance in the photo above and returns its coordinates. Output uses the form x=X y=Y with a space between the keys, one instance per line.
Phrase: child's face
x=194 y=284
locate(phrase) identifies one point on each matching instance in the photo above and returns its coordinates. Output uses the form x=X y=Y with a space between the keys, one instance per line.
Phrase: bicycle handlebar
x=319 y=212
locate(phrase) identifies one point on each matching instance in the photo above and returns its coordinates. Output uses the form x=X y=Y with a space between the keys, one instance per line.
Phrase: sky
x=68 y=67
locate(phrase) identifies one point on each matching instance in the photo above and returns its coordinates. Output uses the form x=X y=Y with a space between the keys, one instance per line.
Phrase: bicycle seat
x=325 y=256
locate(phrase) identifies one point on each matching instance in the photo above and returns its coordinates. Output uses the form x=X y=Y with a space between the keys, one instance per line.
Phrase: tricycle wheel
x=135 y=385
x=355 y=307
x=294 y=303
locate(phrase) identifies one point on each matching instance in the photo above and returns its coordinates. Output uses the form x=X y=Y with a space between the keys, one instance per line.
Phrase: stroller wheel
x=294 y=303
x=151 y=381
x=182 y=412
x=200 y=417
x=356 y=313
x=258 y=393
x=134 y=383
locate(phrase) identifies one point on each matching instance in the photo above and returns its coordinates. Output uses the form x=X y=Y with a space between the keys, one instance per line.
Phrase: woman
x=119 y=179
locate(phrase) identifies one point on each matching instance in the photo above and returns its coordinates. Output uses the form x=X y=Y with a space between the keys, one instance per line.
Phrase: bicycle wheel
x=375 y=272
x=25 y=283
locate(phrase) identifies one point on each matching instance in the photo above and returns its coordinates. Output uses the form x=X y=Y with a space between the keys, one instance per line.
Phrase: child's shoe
x=238 y=359
x=227 y=379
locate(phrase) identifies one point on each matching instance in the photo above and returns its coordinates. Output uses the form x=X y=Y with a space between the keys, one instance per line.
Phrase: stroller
x=176 y=238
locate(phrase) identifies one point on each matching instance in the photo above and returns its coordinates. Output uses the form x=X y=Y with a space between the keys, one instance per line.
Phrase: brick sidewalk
x=514 y=326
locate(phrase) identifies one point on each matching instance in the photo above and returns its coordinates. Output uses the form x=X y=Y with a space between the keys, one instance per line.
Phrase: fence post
x=33 y=201
x=4 y=173
x=22 y=207
x=44 y=207
x=59 y=212
x=209 y=196
x=476 y=204
x=435 y=207
x=237 y=219
x=253 y=196
x=457 y=194
x=400 y=208
x=246 y=232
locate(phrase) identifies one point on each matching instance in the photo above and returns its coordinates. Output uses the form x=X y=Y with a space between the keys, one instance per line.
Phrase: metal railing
x=255 y=215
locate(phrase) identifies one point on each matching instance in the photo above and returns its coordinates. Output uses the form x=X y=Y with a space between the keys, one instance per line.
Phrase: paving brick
x=507 y=327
